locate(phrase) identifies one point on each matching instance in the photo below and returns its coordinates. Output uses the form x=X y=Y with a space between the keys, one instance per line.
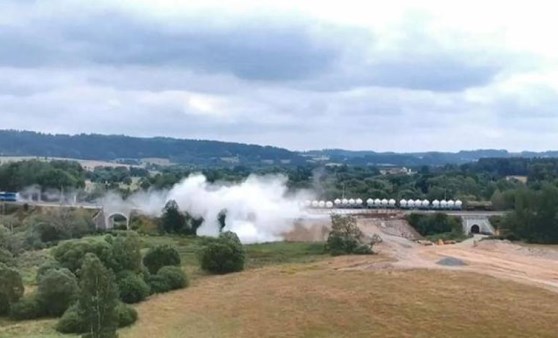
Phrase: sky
x=362 y=75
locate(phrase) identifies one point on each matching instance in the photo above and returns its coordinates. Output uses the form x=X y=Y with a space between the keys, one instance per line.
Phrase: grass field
x=313 y=300
x=294 y=290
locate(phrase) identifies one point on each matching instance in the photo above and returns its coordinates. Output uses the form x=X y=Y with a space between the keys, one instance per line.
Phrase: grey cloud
x=250 y=49
x=302 y=52
x=435 y=72
x=297 y=83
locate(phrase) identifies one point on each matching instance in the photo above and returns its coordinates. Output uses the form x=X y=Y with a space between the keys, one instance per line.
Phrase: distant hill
x=215 y=153
x=125 y=148
x=415 y=159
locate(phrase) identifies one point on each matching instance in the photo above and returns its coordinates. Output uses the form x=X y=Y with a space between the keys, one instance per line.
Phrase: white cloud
x=398 y=75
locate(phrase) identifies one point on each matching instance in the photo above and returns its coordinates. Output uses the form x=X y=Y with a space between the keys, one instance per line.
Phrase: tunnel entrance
x=475 y=229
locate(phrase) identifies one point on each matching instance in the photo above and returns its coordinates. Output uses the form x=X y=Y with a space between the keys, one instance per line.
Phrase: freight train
x=8 y=196
x=385 y=204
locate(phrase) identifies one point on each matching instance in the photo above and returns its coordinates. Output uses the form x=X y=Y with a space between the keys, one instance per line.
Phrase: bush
x=175 y=277
x=57 y=290
x=126 y=252
x=7 y=258
x=144 y=273
x=27 y=308
x=71 y=321
x=223 y=255
x=72 y=253
x=126 y=314
x=363 y=249
x=160 y=256
x=346 y=238
x=132 y=288
x=46 y=267
x=159 y=284
x=11 y=288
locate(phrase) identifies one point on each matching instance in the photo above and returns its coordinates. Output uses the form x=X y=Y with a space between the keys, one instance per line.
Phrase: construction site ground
x=531 y=264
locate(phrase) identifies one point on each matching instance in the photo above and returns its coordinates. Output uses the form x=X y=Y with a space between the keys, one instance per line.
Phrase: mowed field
x=294 y=290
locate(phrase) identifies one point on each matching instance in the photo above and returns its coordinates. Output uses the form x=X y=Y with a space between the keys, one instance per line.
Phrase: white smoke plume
x=259 y=209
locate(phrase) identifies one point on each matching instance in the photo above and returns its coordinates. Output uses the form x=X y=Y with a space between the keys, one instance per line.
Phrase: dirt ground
x=533 y=265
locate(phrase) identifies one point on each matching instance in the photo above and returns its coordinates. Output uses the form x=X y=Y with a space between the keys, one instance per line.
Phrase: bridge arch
x=112 y=219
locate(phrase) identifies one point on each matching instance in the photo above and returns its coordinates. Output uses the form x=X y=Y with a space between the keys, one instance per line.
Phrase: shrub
x=71 y=253
x=363 y=249
x=32 y=241
x=160 y=256
x=132 y=288
x=223 y=255
x=6 y=257
x=57 y=290
x=144 y=273
x=126 y=252
x=11 y=288
x=71 y=321
x=27 y=308
x=345 y=237
x=126 y=314
x=46 y=267
x=175 y=277
x=159 y=284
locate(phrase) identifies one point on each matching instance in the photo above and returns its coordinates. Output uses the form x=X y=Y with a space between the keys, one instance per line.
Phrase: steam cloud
x=260 y=209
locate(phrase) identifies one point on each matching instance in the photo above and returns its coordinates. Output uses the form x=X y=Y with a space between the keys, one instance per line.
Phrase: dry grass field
x=294 y=290
x=318 y=300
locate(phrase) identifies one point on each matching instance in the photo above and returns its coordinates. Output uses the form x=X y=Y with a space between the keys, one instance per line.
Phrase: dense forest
x=203 y=153
x=485 y=180
x=129 y=149
x=527 y=188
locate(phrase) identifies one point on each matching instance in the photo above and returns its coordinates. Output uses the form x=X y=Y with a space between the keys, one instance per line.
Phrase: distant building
x=396 y=171
x=522 y=179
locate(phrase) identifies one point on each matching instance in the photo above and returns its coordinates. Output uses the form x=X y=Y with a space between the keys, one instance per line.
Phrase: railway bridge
x=472 y=221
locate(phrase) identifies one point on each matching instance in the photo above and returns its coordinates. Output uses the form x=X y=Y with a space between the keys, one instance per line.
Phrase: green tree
x=11 y=288
x=126 y=252
x=172 y=220
x=98 y=298
x=345 y=237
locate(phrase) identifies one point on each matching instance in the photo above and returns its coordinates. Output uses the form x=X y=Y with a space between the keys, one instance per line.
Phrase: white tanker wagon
x=385 y=203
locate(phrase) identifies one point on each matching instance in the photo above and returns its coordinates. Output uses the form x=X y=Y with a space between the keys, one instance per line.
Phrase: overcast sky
x=437 y=75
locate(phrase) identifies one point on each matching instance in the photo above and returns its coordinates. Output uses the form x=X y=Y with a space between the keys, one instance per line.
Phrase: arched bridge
x=105 y=220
